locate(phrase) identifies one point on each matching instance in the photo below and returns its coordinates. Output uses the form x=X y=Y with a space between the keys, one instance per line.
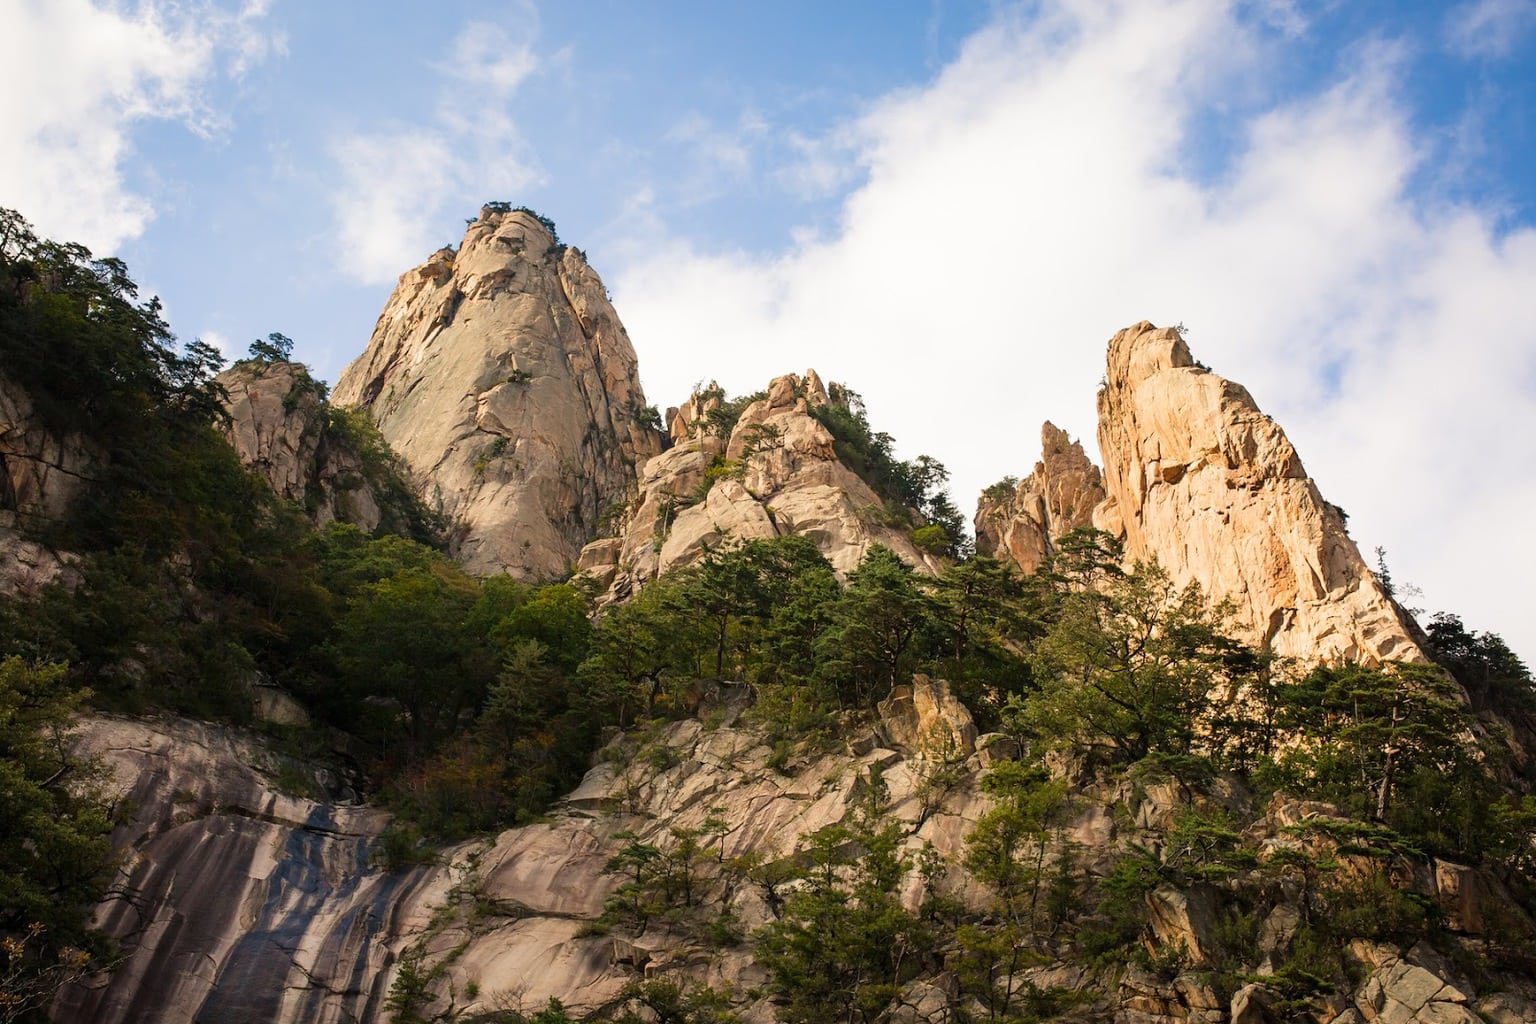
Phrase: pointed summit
x=1200 y=479
x=503 y=377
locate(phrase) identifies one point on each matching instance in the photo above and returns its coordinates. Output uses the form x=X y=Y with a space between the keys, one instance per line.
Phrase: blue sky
x=949 y=205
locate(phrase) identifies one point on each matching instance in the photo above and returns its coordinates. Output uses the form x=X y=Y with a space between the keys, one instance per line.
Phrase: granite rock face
x=502 y=376
x=252 y=906
x=41 y=474
x=773 y=472
x=278 y=426
x=1057 y=498
x=1200 y=479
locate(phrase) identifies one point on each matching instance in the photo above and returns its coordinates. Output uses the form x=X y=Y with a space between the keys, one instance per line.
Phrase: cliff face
x=41 y=474
x=1200 y=479
x=504 y=379
x=244 y=905
x=1057 y=498
x=773 y=473
x=277 y=424
x=250 y=906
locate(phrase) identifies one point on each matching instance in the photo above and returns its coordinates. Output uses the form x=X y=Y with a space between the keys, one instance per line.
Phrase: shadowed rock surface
x=41 y=474
x=277 y=424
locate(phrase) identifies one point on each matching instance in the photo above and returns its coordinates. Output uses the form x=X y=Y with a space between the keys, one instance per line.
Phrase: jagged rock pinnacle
x=503 y=377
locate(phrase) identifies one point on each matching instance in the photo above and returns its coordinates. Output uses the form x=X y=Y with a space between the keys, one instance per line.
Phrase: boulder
x=926 y=717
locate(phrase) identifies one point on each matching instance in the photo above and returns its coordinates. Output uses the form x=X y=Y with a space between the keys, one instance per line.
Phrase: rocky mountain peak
x=755 y=467
x=1201 y=479
x=1197 y=477
x=1022 y=522
x=502 y=375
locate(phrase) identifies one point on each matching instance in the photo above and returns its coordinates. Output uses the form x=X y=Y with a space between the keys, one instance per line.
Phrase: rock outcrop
x=773 y=472
x=1022 y=523
x=41 y=474
x=41 y=471
x=278 y=425
x=248 y=905
x=502 y=376
x=1200 y=479
x=245 y=904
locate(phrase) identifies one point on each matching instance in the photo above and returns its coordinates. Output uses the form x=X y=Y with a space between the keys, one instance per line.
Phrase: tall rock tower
x=503 y=377
x=1199 y=478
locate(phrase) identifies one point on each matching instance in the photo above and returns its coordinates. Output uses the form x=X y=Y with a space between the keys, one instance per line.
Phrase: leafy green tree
x=1010 y=851
x=402 y=639
x=277 y=348
x=879 y=628
x=1129 y=672
x=1493 y=675
x=55 y=838
x=1369 y=732
x=844 y=945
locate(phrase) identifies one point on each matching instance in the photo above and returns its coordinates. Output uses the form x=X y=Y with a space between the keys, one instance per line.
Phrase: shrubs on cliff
x=55 y=848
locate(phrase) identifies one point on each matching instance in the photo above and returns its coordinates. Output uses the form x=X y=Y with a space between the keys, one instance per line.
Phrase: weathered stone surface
x=1402 y=992
x=775 y=474
x=1058 y=497
x=277 y=425
x=41 y=472
x=927 y=718
x=26 y=565
x=1198 y=478
x=504 y=379
x=240 y=894
x=255 y=907
x=1182 y=920
x=1250 y=1005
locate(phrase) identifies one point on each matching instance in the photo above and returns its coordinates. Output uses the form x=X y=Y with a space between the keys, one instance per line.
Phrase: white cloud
x=1036 y=197
x=485 y=54
x=1489 y=28
x=397 y=183
x=75 y=78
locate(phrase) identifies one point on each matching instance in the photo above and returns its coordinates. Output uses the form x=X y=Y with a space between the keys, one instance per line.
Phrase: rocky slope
x=1198 y=478
x=504 y=379
x=245 y=905
x=774 y=472
x=1023 y=522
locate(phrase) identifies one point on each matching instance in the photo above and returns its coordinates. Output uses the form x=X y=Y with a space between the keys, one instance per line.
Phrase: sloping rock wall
x=1200 y=479
x=277 y=424
x=503 y=377
x=245 y=905
x=41 y=474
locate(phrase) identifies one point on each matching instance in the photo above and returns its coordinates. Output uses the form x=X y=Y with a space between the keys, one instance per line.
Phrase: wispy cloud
x=75 y=80
x=396 y=183
x=1034 y=198
x=1489 y=28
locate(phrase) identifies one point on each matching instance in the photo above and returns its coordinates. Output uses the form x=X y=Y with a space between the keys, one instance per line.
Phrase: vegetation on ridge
x=468 y=704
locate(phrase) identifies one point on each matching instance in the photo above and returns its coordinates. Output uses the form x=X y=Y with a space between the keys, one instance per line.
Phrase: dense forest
x=468 y=704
